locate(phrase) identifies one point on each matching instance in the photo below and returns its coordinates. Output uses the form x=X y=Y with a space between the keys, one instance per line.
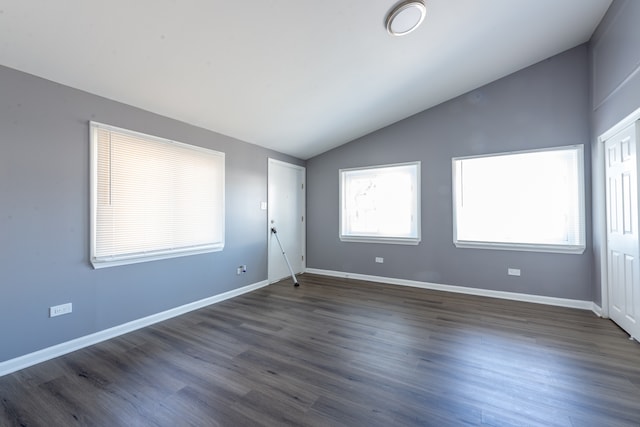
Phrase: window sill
x=114 y=261
x=384 y=240
x=561 y=249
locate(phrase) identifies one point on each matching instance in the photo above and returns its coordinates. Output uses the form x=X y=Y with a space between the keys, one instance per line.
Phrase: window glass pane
x=529 y=198
x=381 y=204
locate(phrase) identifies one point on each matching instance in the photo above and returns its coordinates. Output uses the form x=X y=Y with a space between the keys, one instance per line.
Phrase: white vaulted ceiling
x=300 y=77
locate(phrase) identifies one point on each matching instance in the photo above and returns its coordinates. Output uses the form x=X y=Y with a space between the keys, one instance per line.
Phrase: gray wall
x=544 y=105
x=615 y=79
x=44 y=219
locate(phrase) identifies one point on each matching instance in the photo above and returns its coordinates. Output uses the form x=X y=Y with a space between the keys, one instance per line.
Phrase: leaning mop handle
x=275 y=232
x=293 y=276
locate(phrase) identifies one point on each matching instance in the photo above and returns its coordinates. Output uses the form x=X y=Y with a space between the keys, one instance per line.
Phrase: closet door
x=623 y=268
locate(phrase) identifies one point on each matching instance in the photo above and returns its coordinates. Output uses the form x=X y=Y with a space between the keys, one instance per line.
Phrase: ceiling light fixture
x=405 y=17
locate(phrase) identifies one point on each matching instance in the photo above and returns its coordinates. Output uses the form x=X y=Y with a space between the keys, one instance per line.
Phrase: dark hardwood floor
x=339 y=352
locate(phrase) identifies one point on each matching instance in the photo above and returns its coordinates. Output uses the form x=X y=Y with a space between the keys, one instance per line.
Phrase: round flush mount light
x=405 y=17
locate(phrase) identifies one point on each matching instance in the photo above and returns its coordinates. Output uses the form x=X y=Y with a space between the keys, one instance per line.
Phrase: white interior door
x=623 y=267
x=286 y=212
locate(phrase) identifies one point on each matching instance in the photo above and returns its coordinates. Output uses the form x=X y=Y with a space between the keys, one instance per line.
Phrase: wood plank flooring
x=337 y=352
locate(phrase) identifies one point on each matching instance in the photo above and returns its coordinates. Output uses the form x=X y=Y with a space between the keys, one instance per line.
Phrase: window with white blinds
x=528 y=200
x=153 y=198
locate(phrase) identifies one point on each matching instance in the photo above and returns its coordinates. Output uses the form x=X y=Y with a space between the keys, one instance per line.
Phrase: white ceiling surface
x=297 y=76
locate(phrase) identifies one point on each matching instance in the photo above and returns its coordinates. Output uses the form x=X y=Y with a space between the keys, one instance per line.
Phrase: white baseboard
x=45 y=354
x=537 y=299
x=596 y=309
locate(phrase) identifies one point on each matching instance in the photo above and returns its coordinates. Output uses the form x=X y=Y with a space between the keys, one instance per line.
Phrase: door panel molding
x=600 y=194
x=621 y=242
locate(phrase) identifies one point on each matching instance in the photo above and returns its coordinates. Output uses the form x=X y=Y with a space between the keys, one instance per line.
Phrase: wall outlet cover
x=59 y=310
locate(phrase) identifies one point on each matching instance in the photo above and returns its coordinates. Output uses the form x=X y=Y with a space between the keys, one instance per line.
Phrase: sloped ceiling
x=300 y=77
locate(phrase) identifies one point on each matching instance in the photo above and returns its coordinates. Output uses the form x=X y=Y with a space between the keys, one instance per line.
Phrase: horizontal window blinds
x=154 y=198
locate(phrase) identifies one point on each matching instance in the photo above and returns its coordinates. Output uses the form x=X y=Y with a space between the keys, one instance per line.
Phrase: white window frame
x=569 y=248
x=212 y=196
x=411 y=238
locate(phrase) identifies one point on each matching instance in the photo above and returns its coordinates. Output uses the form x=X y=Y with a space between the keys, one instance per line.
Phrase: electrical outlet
x=239 y=270
x=244 y=268
x=379 y=259
x=513 y=271
x=59 y=310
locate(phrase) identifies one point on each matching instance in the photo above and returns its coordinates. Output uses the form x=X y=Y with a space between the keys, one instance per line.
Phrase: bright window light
x=381 y=204
x=531 y=200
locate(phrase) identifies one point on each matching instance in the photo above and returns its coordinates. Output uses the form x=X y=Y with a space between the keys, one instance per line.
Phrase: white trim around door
x=287 y=213
x=599 y=193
